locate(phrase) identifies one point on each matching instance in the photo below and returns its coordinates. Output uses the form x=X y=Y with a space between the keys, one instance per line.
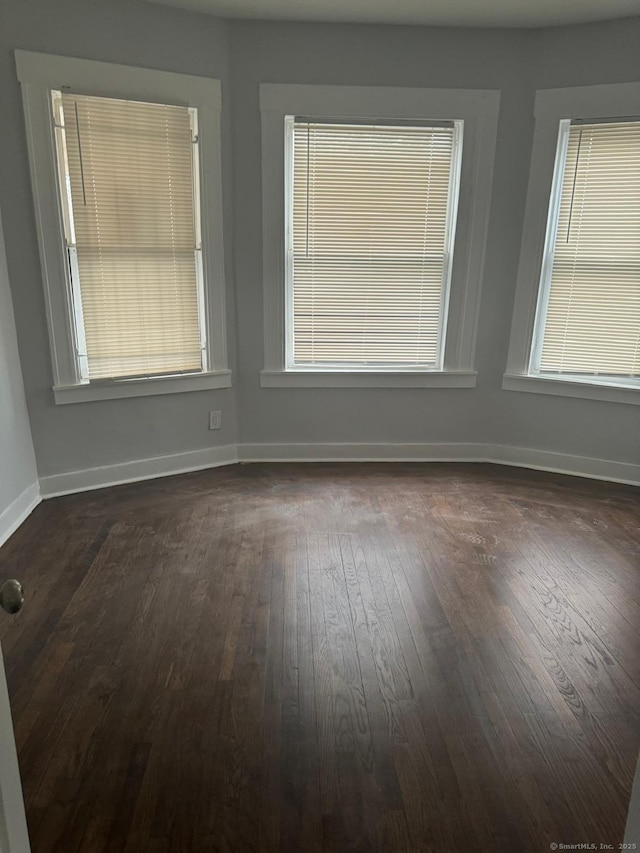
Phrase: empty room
x=319 y=426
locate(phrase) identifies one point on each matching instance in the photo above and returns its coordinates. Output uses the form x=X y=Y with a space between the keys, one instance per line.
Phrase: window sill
x=571 y=388
x=117 y=389
x=367 y=379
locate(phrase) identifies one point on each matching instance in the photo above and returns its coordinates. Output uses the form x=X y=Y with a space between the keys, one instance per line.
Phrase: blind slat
x=368 y=246
x=592 y=323
x=131 y=185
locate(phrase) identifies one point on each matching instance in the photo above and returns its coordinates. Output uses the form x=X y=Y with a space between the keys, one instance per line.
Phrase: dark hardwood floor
x=328 y=658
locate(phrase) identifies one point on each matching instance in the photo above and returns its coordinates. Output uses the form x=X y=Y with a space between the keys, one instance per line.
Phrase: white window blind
x=370 y=237
x=129 y=186
x=589 y=312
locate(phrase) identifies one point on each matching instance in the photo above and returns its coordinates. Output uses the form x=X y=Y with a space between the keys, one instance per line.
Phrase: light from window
x=128 y=179
x=370 y=232
x=588 y=321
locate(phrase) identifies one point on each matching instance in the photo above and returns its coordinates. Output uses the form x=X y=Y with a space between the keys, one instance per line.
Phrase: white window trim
x=478 y=109
x=551 y=107
x=301 y=378
x=40 y=73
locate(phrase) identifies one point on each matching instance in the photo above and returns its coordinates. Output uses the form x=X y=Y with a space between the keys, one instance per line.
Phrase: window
x=136 y=299
x=585 y=335
x=128 y=180
x=366 y=193
x=371 y=224
x=588 y=322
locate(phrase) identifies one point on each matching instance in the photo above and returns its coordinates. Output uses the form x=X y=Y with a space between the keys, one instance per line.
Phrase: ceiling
x=459 y=13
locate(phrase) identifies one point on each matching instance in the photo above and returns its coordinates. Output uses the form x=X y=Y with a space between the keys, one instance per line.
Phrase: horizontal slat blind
x=368 y=243
x=132 y=196
x=593 y=317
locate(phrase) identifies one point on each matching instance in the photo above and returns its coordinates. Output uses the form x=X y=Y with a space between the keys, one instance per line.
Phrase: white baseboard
x=18 y=510
x=358 y=452
x=211 y=457
x=564 y=463
x=499 y=454
x=140 y=469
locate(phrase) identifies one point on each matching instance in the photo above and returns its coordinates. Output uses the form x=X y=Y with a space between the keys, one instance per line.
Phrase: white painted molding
x=87 y=479
x=116 y=389
x=632 y=831
x=563 y=463
x=40 y=73
x=565 y=387
x=552 y=106
x=18 y=510
x=477 y=108
x=358 y=452
x=498 y=454
x=368 y=379
x=609 y=100
x=71 y=482
x=103 y=78
x=14 y=835
x=365 y=101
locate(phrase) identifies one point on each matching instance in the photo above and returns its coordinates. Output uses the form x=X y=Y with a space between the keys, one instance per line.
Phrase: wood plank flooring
x=330 y=657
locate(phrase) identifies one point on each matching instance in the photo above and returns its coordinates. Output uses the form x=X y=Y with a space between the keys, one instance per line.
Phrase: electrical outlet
x=215 y=420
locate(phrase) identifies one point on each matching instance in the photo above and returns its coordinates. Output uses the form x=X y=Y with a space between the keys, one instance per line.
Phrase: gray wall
x=393 y=56
x=574 y=56
x=17 y=460
x=130 y=32
x=516 y=62
x=243 y=55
